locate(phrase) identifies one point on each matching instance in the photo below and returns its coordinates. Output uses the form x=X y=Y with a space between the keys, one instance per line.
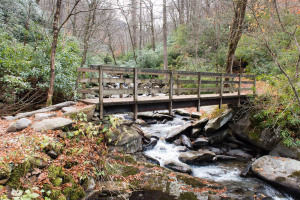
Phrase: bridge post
x=152 y=86
x=221 y=90
x=121 y=85
x=83 y=85
x=171 y=93
x=239 y=91
x=199 y=91
x=101 y=91
x=178 y=85
x=135 y=92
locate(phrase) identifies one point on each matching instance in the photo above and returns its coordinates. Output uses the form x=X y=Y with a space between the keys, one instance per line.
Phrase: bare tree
x=235 y=31
x=165 y=34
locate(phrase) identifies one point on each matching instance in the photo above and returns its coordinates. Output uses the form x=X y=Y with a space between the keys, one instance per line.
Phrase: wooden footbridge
x=124 y=89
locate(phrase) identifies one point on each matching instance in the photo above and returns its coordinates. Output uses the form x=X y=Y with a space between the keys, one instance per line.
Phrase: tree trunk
x=53 y=52
x=181 y=12
x=152 y=27
x=141 y=29
x=134 y=22
x=235 y=31
x=165 y=34
x=38 y=1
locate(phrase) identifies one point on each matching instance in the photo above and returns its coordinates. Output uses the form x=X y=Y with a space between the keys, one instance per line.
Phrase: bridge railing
x=124 y=82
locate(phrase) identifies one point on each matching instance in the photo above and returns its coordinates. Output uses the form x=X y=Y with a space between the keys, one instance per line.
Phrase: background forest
x=200 y=34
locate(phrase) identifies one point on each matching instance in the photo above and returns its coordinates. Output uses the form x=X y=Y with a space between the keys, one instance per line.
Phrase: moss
x=187 y=196
x=125 y=158
x=129 y=170
x=74 y=193
x=5 y=171
x=295 y=174
x=57 y=182
x=191 y=181
x=280 y=179
x=254 y=135
x=17 y=173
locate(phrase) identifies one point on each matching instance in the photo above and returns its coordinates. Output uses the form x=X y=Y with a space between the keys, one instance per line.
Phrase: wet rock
x=152 y=159
x=266 y=139
x=200 y=142
x=172 y=134
x=113 y=187
x=88 y=111
x=215 y=150
x=151 y=122
x=196 y=115
x=201 y=123
x=140 y=122
x=218 y=122
x=283 y=151
x=177 y=142
x=9 y=118
x=151 y=145
x=284 y=172
x=186 y=141
x=239 y=154
x=223 y=157
x=152 y=115
x=218 y=137
x=233 y=145
x=178 y=166
x=245 y=172
x=194 y=157
x=126 y=139
x=42 y=116
x=196 y=132
x=182 y=112
x=19 y=125
x=52 y=124
x=68 y=109
x=182 y=149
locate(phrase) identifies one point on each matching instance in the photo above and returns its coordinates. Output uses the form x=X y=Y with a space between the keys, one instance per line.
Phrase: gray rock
x=239 y=154
x=194 y=157
x=41 y=116
x=178 y=166
x=266 y=139
x=181 y=148
x=9 y=118
x=186 y=141
x=182 y=112
x=52 y=154
x=279 y=170
x=196 y=115
x=284 y=151
x=200 y=142
x=223 y=157
x=126 y=139
x=19 y=125
x=201 y=123
x=151 y=145
x=177 y=142
x=68 y=109
x=152 y=115
x=218 y=137
x=88 y=111
x=216 y=123
x=215 y=150
x=52 y=124
x=140 y=122
x=172 y=134
x=196 y=132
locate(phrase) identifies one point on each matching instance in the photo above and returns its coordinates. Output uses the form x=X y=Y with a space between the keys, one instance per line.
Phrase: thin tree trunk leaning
x=165 y=34
x=53 y=51
x=235 y=31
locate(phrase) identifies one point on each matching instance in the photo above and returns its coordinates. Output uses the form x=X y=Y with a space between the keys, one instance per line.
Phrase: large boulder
x=88 y=111
x=182 y=112
x=178 y=166
x=266 y=139
x=218 y=122
x=126 y=139
x=282 y=150
x=19 y=125
x=201 y=123
x=152 y=115
x=200 y=142
x=174 y=133
x=194 y=157
x=186 y=141
x=52 y=124
x=68 y=109
x=284 y=172
x=219 y=136
x=240 y=154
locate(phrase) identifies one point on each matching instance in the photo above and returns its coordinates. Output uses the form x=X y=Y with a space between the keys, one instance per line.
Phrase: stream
x=226 y=173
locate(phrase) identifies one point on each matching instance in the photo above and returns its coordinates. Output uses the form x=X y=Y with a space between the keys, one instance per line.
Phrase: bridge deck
x=165 y=89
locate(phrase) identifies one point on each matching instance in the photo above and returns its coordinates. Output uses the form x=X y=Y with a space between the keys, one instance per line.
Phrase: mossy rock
x=124 y=158
x=194 y=182
x=129 y=170
x=295 y=174
x=5 y=172
x=18 y=172
x=188 y=196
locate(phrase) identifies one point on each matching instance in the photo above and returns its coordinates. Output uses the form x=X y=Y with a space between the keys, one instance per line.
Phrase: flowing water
x=224 y=173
